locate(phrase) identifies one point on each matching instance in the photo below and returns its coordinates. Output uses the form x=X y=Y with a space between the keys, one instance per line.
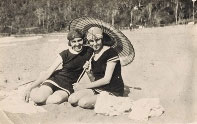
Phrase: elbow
x=106 y=80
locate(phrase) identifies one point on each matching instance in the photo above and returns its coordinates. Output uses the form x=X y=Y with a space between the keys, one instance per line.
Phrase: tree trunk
x=176 y=10
x=131 y=17
x=43 y=20
x=113 y=15
x=112 y=20
x=48 y=15
x=39 y=20
x=150 y=10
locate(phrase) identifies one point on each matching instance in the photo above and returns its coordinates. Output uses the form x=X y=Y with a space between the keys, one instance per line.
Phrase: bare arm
x=42 y=77
x=106 y=79
x=46 y=74
x=103 y=81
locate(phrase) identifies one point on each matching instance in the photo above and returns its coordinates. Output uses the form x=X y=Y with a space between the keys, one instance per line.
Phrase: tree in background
x=43 y=16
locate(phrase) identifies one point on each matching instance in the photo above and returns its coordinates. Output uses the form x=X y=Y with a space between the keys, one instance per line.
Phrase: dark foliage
x=43 y=16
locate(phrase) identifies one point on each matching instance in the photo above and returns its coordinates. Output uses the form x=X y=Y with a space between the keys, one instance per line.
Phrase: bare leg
x=40 y=95
x=74 y=98
x=57 y=97
x=88 y=101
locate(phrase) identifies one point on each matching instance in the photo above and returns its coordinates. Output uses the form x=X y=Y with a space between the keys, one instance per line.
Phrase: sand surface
x=164 y=67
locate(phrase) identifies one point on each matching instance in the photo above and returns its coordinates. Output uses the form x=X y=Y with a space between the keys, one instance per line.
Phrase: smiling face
x=94 y=37
x=96 y=44
x=76 y=44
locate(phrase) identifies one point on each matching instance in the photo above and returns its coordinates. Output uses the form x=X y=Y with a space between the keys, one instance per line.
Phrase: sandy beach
x=164 y=67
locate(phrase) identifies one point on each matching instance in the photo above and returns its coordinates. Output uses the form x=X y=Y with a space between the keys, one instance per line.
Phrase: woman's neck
x=100 y=52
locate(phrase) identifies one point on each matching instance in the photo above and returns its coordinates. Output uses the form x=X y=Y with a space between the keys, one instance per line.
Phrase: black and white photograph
x=98 y=61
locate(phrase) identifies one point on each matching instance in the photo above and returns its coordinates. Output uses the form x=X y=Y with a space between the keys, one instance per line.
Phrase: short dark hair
x=74 y=34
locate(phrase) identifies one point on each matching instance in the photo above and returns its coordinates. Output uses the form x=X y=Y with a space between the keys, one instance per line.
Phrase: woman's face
x=96 y=44
x=77 y=44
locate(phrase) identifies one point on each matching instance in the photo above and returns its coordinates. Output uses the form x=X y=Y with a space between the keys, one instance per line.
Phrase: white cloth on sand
x=140 y=110
x=111 y=105
x=145 y=108
x=14 y=103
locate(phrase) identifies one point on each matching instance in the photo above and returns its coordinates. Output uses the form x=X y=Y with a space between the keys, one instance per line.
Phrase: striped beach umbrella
x=122 y=44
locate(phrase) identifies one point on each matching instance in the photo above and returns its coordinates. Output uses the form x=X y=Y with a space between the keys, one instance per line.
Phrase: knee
x=55 y=99
x=37 y=96
x=72 y=99
x=84 y=103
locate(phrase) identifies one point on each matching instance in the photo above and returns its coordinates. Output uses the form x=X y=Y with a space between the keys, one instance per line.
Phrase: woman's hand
x=42 y=77
x=27 y=94
x=87 y=66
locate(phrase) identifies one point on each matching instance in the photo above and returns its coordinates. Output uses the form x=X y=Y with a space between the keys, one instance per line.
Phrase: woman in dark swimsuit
x=106 y=69
x=56 y=85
